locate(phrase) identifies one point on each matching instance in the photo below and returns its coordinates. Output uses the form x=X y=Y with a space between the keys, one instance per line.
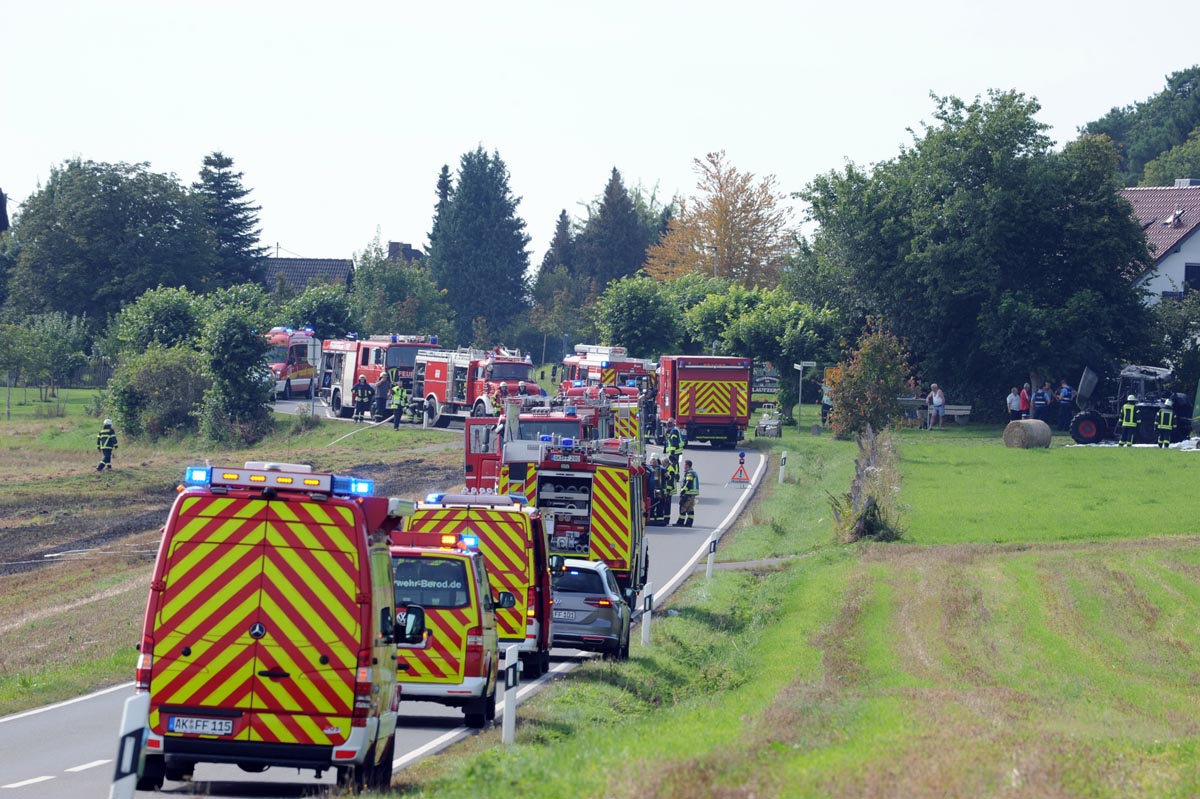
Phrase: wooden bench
x=959 y=413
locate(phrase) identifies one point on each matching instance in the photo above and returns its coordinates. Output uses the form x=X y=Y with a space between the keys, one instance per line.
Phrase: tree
x=155 y=393
x=236 y=408
x=167 y=317
x=234 y=221
x=99 y=235
x=613 y=242
x=866 y=393
x=634 y=312
x=737 y=228
x=477 y=248
x=59 y=341
x=560 y=301
x=395 y=296
x=1181 y=161
x=326 y=309
x=1145 y=130
x=990 y=254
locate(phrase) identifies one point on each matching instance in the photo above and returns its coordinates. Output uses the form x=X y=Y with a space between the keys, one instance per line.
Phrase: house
x=300 y=273
x=1169 y=215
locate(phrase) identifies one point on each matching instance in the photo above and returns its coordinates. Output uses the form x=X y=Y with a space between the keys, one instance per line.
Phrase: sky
x=341 y=115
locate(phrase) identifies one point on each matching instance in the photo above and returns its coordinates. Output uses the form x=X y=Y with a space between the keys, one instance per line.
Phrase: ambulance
x=457 y=663
x=513 y=542
x=270 y=631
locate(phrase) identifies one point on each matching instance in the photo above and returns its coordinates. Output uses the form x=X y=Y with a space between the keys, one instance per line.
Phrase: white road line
x=87 y=766
x=123 y=686
x=23 y=783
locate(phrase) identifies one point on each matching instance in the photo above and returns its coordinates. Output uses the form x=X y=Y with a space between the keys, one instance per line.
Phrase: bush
x=869 y=509
x=865 y=394
x=156 y=393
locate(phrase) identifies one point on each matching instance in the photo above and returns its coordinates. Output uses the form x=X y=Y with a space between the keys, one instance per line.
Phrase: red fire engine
x=466 y=382
x=343 y=360
x=707 y=396
x=595 y=371
x=292 y=358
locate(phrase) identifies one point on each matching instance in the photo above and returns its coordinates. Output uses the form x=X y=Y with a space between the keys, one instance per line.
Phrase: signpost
x=800 y=367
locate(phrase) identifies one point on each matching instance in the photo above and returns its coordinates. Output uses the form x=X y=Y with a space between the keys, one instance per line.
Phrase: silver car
x=589 y=611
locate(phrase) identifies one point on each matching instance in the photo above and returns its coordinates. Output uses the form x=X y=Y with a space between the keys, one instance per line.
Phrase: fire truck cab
x=597 y=372
x=468 y=382
x=292 y=357
x=343 y=360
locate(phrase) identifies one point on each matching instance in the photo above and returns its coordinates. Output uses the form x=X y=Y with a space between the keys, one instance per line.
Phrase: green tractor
x=1151 y=387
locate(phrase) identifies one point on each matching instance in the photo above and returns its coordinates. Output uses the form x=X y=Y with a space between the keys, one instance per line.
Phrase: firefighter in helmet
x=673 y=447
x=1164 y=423
x=363 y=394
x=687 y=495
x=1128 y=422
x=521 y=389
x=106 y=442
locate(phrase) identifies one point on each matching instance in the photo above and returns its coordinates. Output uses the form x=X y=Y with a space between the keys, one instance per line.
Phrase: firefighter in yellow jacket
x=1164 y=423
x=1128 y=421
x=687 y=495
x=106 y=442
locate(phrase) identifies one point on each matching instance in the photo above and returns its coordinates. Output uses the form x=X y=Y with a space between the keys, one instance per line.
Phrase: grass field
x=998 y=650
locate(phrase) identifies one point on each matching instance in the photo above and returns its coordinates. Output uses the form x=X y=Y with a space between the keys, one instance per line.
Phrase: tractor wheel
x=1088 y=428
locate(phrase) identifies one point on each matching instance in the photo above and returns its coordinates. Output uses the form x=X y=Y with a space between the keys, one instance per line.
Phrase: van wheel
x=153 y=774
x=544 y=658
x=491 y=706
x=287 y=390
x=180 y=773
x=475 y=713
x=355 y=778
x=379 y=777
x=531 y=666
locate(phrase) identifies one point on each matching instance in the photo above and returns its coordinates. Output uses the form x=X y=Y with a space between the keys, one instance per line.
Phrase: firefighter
x=673 y=447
x=399 y=404
x=363 y=394
x=106 y=442
x=657 y=477
x=521 y=389
x=1164 y=422
x=383 y=392
x=670 y=482
x=500 y=396
x=1128 y=421
x=687 y=495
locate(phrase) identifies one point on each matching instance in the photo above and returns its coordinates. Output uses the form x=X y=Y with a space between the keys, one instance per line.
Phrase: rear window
x=579 y=581
x=431 y=582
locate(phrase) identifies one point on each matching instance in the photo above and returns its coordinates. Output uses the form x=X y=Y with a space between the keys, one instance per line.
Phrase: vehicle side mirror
x=410 y=622
x=506 y=600
x=386 y=627
x=556 y=563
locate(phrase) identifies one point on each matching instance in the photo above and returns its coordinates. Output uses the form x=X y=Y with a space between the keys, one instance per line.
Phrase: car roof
x=592 y=565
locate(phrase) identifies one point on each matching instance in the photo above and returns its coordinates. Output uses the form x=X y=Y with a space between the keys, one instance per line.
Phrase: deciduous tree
x=634 y=312
x=391 y=295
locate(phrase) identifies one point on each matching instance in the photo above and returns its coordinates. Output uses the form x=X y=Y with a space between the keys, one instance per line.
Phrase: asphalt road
x=66 y=750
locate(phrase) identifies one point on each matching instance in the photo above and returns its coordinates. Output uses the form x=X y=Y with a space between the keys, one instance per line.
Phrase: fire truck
x=490 y=448
x=466 y=382
x=292 y=358
x=343 y=360
x=707 y=396
x=593 y=495
x=596 y=371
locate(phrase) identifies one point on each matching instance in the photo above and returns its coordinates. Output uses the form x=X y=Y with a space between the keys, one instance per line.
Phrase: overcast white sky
x=341 y=114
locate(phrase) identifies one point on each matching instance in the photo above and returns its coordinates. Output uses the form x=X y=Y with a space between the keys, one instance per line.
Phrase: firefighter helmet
x=1131 y=398
x=108 y=423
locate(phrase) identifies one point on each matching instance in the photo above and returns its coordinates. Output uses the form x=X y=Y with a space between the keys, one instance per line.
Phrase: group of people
x=384 y=399
x=1044 y=404
x=665 y=478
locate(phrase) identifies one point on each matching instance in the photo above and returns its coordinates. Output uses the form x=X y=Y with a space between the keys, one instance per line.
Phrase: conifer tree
x=233 y=219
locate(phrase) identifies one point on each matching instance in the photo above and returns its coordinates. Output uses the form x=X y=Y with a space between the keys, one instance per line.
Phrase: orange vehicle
x=513 y=542
x=707 y=396
x=469 y=382
x=270 y=632
x=292 y=358
x=344 y=360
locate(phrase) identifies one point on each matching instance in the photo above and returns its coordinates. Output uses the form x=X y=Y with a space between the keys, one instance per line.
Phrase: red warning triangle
x=740 y=475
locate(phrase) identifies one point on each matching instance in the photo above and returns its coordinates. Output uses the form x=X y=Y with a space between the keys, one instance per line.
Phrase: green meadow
x=1033 y=634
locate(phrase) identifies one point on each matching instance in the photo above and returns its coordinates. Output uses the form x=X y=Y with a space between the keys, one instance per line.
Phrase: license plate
x=567 y=458
x=565 y=615
x=196 y=726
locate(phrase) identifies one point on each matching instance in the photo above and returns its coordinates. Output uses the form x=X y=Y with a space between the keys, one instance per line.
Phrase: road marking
x=23 y=783
x=87 y=766
x=122 y=687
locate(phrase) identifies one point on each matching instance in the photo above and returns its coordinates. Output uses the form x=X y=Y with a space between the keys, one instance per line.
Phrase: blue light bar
x=353 y=485
x=471 y=541
x=197 y=475
x=434 y=499
x=517 y=499
x=604 y=364
x=545 y=437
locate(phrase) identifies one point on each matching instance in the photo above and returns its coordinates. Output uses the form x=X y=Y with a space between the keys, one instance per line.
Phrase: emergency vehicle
x=596 y=371
x=458 y=662
x=707 y=396
x=466 y=382
x=513 y=542
x=292 y=358
x=343 y=360
x=269 y=635
x=594 y=494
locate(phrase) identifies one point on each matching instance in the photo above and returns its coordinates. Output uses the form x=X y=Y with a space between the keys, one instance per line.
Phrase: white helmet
x=108 y=423
x=1131 y=398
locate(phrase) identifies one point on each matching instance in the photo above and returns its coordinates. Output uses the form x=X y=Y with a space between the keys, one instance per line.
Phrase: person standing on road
x=1014 y=405
x=687 y=495
x=1066 y=403
x=383 y=392
x=363 y=394
x=1128 y=421
x=673 y=447
x=106 y=442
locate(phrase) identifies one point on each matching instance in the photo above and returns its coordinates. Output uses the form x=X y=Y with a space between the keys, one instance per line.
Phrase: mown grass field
x=1035 y=634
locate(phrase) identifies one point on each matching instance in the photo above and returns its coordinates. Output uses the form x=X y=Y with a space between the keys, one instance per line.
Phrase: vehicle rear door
x=442 y=585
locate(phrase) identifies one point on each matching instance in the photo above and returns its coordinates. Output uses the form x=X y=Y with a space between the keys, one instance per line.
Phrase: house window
x=1191 y=277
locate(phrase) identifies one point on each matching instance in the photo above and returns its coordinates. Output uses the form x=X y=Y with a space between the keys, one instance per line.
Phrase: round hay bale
x=1027 y=434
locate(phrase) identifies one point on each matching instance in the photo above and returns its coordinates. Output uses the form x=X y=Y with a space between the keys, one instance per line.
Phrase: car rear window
x=580 y=581
x=431 y=582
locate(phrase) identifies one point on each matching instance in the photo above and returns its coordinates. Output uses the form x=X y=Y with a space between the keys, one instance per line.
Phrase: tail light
x=145 y=665
x=474 y=653
x=475 y=639
x=531 y=604
x=598 y=602
x=363 y=683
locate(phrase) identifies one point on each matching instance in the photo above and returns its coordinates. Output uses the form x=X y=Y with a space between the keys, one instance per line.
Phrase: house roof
x=1168 y=215
x=300 y=272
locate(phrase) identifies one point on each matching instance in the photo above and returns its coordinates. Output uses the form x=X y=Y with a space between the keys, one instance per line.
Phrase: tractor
x=1151 y=387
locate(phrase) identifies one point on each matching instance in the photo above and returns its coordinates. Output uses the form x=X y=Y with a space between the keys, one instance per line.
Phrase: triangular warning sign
x=740 y=479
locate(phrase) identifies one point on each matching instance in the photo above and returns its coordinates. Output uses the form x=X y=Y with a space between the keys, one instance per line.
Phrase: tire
x=1088 y=428
x=309 y=393
x=287 y=390
x=490 y=712
x=531 y=667
x=623 y=651
x=344 y=411
x=355 y=777
x=475 y=713
x=379 y=777
x=479 y=410
x=544 y=660
x=431 y=411
x=153 y=774
x=180 y=773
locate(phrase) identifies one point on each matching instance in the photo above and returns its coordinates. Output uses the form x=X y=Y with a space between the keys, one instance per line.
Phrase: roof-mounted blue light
x=545 y=437
x=353 y=485
x=434 y=498
x=567 y=443
x=471 y=541
x=197 y=475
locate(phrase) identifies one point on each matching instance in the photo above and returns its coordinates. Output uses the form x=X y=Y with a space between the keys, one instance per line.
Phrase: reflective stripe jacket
x=691 y=484
x=106 y=438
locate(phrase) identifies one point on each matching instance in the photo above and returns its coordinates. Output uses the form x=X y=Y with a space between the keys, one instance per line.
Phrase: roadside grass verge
x=1054 y=662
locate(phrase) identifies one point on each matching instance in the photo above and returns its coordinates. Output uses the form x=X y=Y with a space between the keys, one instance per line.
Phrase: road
x=66 y=750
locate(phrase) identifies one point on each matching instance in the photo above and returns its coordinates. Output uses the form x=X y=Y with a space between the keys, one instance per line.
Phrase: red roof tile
x=1168 y=215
